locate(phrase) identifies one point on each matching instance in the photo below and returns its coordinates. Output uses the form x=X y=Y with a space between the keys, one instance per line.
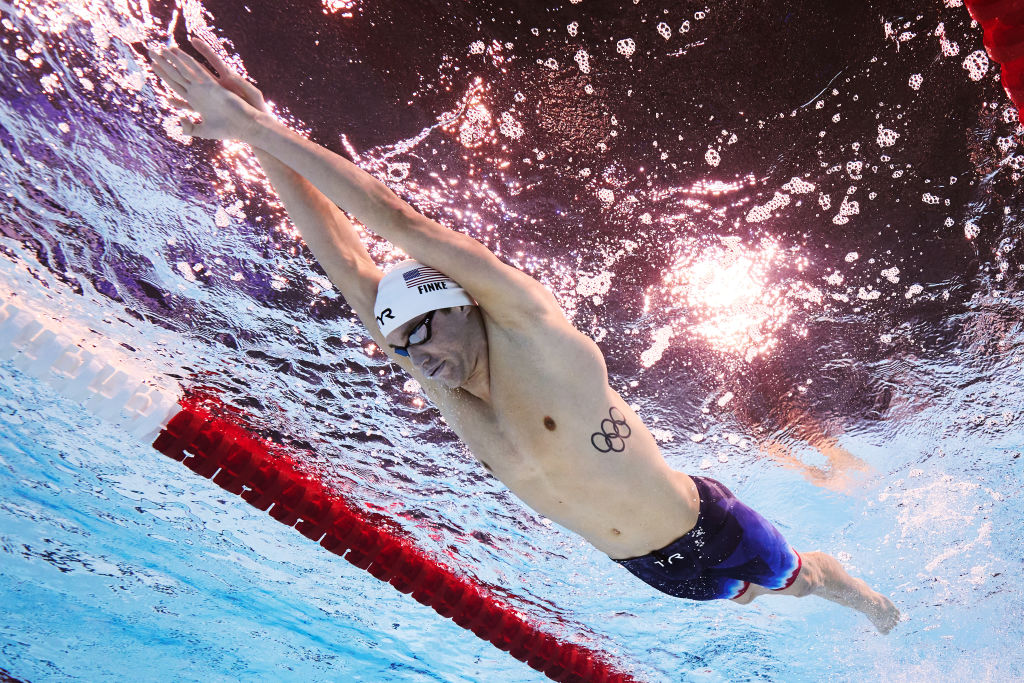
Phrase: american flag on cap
x=422 y=275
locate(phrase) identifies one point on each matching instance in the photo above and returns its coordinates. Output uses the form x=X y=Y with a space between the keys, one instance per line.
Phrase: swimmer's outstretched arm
x=503 y=291
x=323 y=226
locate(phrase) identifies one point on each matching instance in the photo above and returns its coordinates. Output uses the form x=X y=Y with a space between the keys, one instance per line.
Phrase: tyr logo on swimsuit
x=670 y=559
x=613 y=434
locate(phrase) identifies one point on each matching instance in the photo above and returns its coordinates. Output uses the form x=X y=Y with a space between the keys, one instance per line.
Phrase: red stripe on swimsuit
x=796 y=572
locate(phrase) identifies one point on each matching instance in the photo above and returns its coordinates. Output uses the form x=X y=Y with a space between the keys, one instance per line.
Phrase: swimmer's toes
x=886 y=616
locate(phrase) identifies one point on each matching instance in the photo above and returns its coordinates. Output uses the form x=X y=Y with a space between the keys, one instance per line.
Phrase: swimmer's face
x=452 y=344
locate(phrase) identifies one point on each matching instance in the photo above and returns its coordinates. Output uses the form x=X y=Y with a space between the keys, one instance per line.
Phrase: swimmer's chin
x=449 y=382
x=441 y=376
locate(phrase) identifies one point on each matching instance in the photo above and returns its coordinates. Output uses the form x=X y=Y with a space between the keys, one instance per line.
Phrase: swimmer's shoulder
x=529 y=316
x=546 y=340
x=523 y=304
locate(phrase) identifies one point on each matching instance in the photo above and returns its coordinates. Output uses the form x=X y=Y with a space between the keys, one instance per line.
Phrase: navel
x=549 y=423
x=616 y=532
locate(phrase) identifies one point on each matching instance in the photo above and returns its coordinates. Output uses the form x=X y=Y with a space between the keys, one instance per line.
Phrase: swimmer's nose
x=422 y=358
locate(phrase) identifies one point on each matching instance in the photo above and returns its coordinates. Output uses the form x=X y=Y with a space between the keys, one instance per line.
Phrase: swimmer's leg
x=841 y=475
x=822 y=575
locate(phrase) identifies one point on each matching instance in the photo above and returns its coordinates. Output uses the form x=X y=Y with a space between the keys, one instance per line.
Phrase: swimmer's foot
x=883 y=613
x=875 y=606
x=833 y=583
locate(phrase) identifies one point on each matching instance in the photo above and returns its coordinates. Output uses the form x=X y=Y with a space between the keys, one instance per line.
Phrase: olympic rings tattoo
x=613 y=434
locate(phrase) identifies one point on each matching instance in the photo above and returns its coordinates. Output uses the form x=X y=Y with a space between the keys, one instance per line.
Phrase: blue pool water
x=821 y=259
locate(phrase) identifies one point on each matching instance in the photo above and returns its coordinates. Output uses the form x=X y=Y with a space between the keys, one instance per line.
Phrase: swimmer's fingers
x=188 y=67
x=169 y=80
x=180 y=104
x=185 y=72
x=177 y=69
x=229 y=78
x=207 y=51
x=225 y=115
x=167 y=72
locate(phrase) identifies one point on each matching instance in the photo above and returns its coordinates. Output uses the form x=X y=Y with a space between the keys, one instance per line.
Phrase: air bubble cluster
x=976 y=65
x=886 y=137
x=764 y=212
x=583 y=60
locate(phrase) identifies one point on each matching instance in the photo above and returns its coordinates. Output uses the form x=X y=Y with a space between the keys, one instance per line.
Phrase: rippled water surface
x=795 y=233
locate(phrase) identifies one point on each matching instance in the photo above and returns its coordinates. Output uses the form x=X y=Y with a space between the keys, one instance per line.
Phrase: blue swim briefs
x=730 y=547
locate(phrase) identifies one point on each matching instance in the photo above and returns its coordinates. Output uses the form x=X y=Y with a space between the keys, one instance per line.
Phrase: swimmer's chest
x=567 y=445
x=555 y=412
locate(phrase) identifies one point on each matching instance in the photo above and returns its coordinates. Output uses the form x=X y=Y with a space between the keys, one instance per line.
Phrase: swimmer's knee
x=803 y=586
x=749 y=595
x=745 y=599
x=809 y=580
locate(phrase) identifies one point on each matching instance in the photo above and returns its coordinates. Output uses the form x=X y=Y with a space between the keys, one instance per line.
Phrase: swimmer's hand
x=228 y=78
x=225 y=115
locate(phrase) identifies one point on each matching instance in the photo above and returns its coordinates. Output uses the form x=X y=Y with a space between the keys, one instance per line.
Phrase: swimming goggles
x=418 y=335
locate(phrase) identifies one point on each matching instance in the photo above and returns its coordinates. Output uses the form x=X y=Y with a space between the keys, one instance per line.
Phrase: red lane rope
x=1003 y=24
x=212 y=440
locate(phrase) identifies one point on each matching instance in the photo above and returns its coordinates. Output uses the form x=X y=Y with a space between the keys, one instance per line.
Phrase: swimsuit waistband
x=703 y=494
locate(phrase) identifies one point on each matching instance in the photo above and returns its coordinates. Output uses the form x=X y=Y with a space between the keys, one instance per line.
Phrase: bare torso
x=555 y=433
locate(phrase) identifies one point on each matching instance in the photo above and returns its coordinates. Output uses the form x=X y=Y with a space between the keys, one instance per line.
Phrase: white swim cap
x=411 y=289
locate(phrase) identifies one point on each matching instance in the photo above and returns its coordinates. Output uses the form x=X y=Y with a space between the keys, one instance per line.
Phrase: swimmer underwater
x=466 y=326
